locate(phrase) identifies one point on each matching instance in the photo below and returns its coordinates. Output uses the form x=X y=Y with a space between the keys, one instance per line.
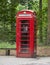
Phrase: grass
x=44 y=46
x=7 y=45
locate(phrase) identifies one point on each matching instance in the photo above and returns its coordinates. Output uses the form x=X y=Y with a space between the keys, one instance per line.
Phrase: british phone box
x=25 y=33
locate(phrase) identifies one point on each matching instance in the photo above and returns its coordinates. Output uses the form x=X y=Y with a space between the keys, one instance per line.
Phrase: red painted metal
x=25 y=33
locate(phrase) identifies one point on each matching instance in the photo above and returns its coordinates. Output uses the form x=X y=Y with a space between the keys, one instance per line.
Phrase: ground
x=13 y=60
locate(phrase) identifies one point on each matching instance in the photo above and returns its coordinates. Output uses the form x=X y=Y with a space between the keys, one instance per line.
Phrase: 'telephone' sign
x=24 y=15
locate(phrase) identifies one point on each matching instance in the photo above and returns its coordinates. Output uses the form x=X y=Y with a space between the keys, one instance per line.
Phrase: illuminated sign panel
x=24 y=14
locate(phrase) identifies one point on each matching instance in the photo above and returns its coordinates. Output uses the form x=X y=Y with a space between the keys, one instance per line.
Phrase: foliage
x=45 y=19
x=8 y=10
x=20 y=7
x=7 y=20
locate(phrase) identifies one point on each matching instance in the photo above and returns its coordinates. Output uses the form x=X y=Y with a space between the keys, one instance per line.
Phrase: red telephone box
x=25 y=33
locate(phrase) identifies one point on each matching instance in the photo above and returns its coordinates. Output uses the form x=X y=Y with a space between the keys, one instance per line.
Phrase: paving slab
x=12 y=60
